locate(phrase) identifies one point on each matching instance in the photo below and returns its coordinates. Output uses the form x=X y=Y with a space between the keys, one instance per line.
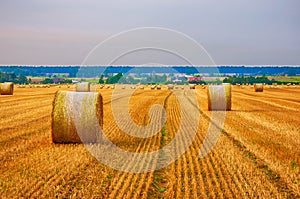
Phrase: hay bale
x=74 y=111
x=101 y=86
x=107 y=86
x=132 y=87
x=192 y=86
x=170 y=86
x=219 y=97
x=158 y=87
x=153 y=87
x=141 y=87
x=258 y=87
x=7 y=88
x=123 y=87
x=83 y=87
x=112 y=87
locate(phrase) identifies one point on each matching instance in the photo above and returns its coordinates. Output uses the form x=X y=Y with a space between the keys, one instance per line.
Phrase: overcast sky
x=255 y=32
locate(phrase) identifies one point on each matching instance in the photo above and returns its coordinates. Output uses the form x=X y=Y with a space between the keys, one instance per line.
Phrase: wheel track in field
x=270 y=95
x=213 y=160
x=15 y=115
x=18 y=99
x=111 y=126
x=266 y=100
x=208 y=174
x=131 y=178
x=282 y=187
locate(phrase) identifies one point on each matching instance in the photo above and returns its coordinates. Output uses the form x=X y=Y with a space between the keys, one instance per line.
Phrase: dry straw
x=219 y=97
x=83 y=87
x=74 y=113
x=258 y=87
x=7 y=88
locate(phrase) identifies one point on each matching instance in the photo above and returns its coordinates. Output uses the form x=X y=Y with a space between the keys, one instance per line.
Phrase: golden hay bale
x=107 y=86
x=123 y=87
x=7 y=88
x=153 y=87
x=182 y=87
x=101 y=86
x=170 y=86
x=258 y=87
x=215 y=96
x=112 y=87
x=192 y=86
x=76 y=110
x=158 y=87
x=83 y=87
x=141 y=87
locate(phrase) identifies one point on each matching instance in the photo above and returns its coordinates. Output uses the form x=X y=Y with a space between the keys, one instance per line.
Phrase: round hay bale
x=76 y=110
x=83 y=87
x=112 y=87
x=107 y=86
x=141 y=87
x=258 y=87
x=158 y=87
x=176 y=87
x=7 y=88
x=153 y=87
x=192 y=86
x=101 y=86
x=182 y=88
x=132 y=87
x=123 y=87
x=219 y=97
x=170 y=86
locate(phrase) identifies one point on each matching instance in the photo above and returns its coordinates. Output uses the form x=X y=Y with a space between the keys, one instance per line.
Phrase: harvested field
x=257 y=154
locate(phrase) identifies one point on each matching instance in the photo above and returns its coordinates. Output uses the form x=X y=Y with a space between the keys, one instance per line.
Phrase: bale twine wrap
x=76 y=110
x=258 y=87
x=7 y=88
x=83 y=87
x=219 y=97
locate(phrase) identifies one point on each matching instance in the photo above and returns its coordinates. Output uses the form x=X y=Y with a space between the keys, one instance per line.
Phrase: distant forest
x=97 y=71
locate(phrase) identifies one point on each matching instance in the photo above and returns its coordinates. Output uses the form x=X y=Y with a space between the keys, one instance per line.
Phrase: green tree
x=114 y=79
x=101 y=81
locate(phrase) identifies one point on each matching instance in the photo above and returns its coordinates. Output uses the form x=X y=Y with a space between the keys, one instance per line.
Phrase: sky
x=233 y=32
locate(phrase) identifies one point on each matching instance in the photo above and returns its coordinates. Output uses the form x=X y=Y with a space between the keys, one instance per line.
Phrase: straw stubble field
x=257 y=154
